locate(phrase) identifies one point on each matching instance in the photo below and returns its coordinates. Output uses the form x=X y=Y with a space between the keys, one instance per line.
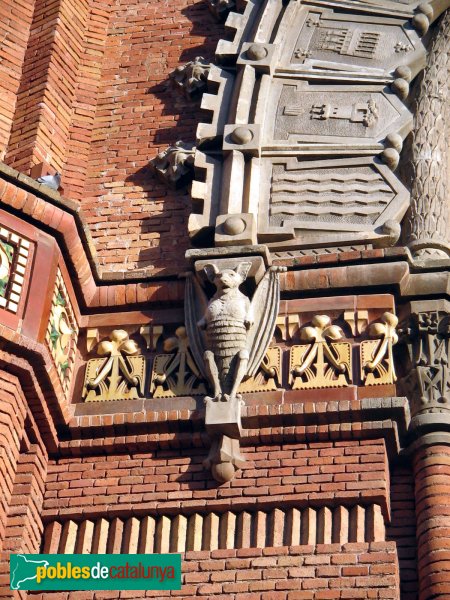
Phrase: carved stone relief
x=118 y=376
x=317 y=78
x=342 y=118
x=428 y=220
x=192 y=77
x=326 y=361
x=426 y=334
x=339 y=200
x=175 y=165
x=330 y=40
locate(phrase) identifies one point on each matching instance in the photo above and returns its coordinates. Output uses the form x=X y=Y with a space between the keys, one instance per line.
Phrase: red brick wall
x=402 y=528
x=43 y=115
x=136 y=221
x=24 y=523
x=356 y=571
x=12 y=419
x=15 y=21
x=323 y=472
x=95 y=103
x=432 y=488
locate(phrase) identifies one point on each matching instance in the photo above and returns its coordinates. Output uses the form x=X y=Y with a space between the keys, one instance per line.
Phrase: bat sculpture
x=229 y=335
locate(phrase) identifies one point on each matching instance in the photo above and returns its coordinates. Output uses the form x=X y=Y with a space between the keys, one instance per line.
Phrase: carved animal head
x=227 y=278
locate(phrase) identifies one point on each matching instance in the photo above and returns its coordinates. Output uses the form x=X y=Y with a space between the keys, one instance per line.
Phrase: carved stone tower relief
x=306 y=133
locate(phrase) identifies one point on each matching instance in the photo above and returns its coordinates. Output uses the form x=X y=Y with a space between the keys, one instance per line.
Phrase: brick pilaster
x=12 y=420
x=431 y=463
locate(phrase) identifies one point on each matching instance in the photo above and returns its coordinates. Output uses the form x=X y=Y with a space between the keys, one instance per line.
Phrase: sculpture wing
x=195 y=306
x=265 y=304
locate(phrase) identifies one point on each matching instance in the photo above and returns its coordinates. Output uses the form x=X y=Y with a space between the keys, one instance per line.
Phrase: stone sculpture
x=226 y=321
x=229 y=336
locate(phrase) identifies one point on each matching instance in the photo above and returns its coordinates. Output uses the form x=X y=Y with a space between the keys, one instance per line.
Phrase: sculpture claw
x=213 y=399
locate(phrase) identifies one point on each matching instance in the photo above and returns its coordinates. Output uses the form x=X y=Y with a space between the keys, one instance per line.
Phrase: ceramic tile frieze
x=14 y=258
x=334 y=349
x=62 y=332
x=119 y=375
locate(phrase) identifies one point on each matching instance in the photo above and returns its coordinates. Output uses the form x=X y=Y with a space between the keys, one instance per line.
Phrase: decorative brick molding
x=211 y=531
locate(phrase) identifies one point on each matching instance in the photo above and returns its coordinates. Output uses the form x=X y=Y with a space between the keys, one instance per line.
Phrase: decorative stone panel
x=317 y=79
x=344 y=199
x=327 y=39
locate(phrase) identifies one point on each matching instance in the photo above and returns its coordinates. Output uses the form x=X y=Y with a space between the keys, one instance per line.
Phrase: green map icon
x=24 y=570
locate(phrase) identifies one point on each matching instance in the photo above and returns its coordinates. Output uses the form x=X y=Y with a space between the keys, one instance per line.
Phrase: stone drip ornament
x=175 y=165
x=221 y=8
x=229 y=336
x=192 y=78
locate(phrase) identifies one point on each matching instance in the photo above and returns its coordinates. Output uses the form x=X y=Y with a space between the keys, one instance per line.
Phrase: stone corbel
x=220 y=9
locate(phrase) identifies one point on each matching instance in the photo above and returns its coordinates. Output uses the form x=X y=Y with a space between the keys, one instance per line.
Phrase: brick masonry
x=98 y=105
x=431 y=481
x=324 y=508
x=353 y=571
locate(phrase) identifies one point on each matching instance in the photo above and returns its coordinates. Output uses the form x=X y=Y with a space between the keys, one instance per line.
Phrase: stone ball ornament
x=242 y=135
x=257 y=52
x=234 y=226
x=223 y=472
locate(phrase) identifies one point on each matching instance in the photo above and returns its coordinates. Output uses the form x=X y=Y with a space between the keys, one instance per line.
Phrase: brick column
x=431 y=461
